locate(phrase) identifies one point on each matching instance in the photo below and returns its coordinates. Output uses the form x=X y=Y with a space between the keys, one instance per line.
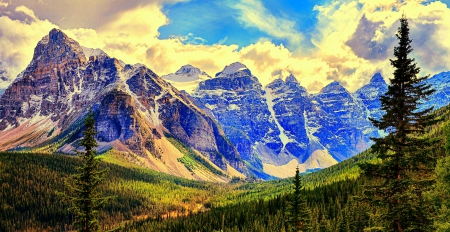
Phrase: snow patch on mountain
x=93 y=52
x=232 y=68
x=283 y=137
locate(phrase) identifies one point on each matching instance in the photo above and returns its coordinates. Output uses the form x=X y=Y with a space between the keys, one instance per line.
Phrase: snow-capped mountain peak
x=187 y=73
x=232 y=69
x=188 y=70
x=187 y=78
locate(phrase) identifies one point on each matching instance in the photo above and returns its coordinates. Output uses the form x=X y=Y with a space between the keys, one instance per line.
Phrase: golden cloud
x=353 y=40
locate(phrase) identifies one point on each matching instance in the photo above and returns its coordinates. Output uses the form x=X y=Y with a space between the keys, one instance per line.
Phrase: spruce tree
x=298 y=211
x=85 y=198
x=404 y=167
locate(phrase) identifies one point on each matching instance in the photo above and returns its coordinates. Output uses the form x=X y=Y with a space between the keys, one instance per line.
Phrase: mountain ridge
x=61 y=83
x=230 y=121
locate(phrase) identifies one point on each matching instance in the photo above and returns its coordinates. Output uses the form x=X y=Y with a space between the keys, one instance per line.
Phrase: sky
x=317 y=41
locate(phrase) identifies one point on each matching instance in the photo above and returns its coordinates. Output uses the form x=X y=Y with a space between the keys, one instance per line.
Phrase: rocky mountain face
x=235 y=98
x=441 y=97
x=135 y=111
x=346 y=119
x=370 y=94
x=266 y=125
x=282 y=126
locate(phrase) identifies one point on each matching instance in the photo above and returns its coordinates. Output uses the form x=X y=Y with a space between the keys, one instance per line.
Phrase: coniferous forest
x=145 y=200
x=402 y=183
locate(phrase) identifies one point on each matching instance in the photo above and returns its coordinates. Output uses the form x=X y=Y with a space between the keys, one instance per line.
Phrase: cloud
x=269 y=61
x=18 y=40
x=222 y=41
x=352 y=39
x=83 y=13
x=189 y=39
x=252 y=13
x=26 y=11
x=358 y=37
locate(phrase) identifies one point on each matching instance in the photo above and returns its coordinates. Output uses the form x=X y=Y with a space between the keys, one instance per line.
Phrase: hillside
x=331 y=193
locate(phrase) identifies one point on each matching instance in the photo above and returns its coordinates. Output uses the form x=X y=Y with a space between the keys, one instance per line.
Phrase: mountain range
x=216 y=128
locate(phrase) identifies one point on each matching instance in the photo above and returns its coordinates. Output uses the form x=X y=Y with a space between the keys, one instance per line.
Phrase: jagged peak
x=333 y=86
x=56 y=45
x=291 y=78
x=377 y=78
x=57 y=35
x=233 y=68
x=275 y=83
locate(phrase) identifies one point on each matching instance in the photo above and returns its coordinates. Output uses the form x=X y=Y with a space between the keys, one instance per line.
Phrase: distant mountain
x=186 y=78
x=270 y=127
x=441 y=97
x=370 y=94
x=136 y=112
x=281 y=126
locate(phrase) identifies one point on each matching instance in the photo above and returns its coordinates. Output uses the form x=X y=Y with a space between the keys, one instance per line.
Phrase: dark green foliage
x=29 y=183
x=331 y=206
x=440 y=195
x=84 y=196
x=404 y=172
x=298 y=211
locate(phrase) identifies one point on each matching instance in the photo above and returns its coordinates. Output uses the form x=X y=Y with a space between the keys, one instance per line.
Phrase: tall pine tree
x=298 y=211
x=403 y=172
x=85 y=198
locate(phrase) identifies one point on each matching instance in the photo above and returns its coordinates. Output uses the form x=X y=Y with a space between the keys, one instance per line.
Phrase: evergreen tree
x=86 y=200
x=298 y=211
x=403 y=172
